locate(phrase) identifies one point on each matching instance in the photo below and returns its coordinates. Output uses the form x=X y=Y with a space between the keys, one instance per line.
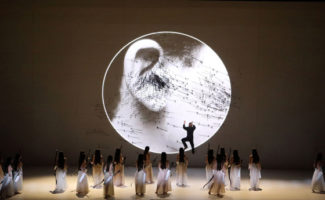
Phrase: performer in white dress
x=60 y=174
x=225 y=166
x=163 y=178
x=235 y=168
x=18 y=173
x=140 y=177
x=108 y=178
x=97 y=168
x=254 y=167
x=317 y=182
x=209 y=164
x=7 y=189
x=218 y=185
x=118 y=167
x=82 y=180
x=181 y=168
x=148 y=166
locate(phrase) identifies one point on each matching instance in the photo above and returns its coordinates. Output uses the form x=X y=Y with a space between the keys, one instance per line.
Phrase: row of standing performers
x=112 y=173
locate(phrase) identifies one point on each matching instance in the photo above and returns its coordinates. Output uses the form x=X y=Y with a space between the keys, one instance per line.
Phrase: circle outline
x=145 y=35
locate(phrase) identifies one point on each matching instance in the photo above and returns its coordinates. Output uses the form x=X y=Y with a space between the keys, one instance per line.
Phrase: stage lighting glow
x=157 y=81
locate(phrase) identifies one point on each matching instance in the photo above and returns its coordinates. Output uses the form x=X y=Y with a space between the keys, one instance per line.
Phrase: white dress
x=255 y=175
x=163 y=181
x=225 y=170
x=209 y=173
x=82 y=182
x=218 y=184
x=181 y=175
x=108 y=182
x=7 y=189
x=119 y=177
x=140 y=182
x=98 y=175
x=317 y=183
x=18 y=180
x=61 y=180
x=235 y=177
x=149 y=173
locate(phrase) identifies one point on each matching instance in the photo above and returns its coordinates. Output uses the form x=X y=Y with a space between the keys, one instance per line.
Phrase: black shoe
x=193 y=151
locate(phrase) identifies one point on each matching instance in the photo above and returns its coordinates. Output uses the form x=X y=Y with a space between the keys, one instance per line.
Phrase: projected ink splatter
x=157 y=81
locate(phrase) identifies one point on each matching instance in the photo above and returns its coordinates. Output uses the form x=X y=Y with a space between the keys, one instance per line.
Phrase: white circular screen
x=159 y=80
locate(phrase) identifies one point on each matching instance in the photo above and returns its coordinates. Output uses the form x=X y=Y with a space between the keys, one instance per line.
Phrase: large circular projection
x=158 y=81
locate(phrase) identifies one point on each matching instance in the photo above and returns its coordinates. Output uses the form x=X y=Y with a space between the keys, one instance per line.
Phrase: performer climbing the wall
x=189 y=137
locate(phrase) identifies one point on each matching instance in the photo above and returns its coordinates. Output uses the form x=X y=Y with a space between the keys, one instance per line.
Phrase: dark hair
x=109 y=161
x=140 y=162
x=163 y=160
x=7 y=164
x=210 y=156
x=236 y=157
x=181 y=155
x=219 y=161
x=256 y=158
x=319 y=158
x=223 y=155
x=82 y=157
x=61 y=161
x=146 y=151
x=97 y=157
x=117 y=156
x=17 y=160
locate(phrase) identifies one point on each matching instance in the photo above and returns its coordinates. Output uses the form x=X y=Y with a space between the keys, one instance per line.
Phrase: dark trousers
x=188 y=139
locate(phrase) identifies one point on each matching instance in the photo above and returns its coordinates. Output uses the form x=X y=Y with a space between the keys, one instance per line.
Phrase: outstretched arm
x=184 y=125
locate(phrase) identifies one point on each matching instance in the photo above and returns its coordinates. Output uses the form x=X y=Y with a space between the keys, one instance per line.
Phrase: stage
x=275 y=184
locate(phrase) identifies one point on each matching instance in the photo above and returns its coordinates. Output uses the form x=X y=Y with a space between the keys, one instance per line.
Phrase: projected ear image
x=158 y=81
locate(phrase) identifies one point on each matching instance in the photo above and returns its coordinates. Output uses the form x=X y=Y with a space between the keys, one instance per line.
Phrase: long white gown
x=209 y=174
x=225 y=170
x=317 y=182
x=149 y=173
x=235 y=177
x=98 y=175
x=82 y=182
x=119 y=177
x=108 y=182
x=163 y=181
x=140 y=182
x=61 y=180
x=181 y=175
x=7 y=189
x=218 y=183
x=18 y=180
x=255 y=175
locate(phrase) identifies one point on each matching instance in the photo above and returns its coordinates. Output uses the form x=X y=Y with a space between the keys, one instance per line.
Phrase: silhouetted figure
x=163 y=178
x=181 y=168
x=140 y=177
x=147 y=165
x=317 y=183
x=108 y=178
x=189 y=137
x=254 y=170
x=82 y=180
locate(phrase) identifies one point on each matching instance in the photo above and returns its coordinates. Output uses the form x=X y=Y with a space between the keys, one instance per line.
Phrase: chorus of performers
x=223 y=172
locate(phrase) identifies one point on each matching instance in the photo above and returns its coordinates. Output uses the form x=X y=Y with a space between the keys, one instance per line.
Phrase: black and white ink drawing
x=157 y=81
